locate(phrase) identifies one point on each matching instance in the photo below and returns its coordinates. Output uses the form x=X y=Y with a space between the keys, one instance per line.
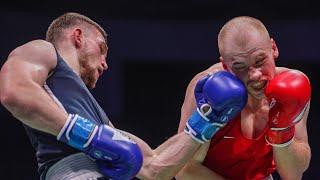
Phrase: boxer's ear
x=77 y=37
x=223 y=63
x=275 y=51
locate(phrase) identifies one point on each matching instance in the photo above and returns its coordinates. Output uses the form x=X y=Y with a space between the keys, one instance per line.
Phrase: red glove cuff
x=280 y=138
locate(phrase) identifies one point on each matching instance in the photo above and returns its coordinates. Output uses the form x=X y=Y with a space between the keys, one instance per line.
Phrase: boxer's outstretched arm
x=21 y=80
x=168 y=159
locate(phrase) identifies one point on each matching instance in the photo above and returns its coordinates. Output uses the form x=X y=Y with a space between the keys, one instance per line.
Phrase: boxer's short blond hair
x=54 y=32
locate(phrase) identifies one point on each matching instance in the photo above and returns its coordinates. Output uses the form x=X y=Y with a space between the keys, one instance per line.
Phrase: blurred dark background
x=156 y=47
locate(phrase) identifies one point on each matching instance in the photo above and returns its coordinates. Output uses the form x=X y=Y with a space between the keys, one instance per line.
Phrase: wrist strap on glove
x=200 y=128
x=77 y=132
x=280 y=137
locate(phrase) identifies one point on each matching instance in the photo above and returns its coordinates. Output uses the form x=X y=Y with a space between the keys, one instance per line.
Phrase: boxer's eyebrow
x=238 y=64
x=103 y=48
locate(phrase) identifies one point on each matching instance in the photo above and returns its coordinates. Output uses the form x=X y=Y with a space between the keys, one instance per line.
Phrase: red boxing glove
x=288 y=94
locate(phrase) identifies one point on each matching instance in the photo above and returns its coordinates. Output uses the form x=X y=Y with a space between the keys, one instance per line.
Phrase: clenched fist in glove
x=288 y=94
x=219 y=97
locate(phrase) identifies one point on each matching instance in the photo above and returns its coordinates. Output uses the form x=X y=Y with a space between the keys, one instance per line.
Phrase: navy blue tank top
x=70 y=93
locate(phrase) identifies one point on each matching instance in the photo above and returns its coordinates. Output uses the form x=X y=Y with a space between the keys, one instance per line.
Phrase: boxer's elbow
x=8 y=98
x=8 y=90
x=306 y=158
x=13 y=101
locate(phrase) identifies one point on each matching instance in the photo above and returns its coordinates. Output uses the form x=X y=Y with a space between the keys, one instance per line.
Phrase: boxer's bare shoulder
x=281 y=69
x=36 y=50
x=211 y=70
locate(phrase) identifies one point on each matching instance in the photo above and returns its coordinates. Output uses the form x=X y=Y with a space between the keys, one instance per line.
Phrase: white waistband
x=76 y=166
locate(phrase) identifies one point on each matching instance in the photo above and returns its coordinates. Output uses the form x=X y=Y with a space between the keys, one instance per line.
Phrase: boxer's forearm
x=293 y=160
x=33 y=106
x=168 y=159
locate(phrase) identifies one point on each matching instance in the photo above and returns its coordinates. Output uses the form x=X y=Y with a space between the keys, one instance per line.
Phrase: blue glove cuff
x=200 y=128
x=77 y=131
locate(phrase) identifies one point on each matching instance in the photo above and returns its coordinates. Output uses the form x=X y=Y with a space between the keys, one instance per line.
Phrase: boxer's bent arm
x=294 y=159
x=21 y=81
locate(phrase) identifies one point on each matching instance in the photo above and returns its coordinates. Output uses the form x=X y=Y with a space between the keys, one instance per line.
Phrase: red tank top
x=234 y=156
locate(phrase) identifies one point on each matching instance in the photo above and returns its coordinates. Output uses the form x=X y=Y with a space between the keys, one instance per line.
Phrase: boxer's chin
x=257 y=94
x=90 y=81
x=92 y=84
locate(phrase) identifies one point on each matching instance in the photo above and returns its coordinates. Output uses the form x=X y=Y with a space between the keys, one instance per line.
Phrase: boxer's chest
x=253 y=124
x=232 y=146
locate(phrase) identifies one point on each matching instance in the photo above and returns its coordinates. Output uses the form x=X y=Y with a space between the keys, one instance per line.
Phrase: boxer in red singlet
x=270 y=132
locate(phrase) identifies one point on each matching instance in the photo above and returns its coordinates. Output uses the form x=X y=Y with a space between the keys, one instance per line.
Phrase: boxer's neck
x=254 y=118
x=255 y=104
x=69 y=55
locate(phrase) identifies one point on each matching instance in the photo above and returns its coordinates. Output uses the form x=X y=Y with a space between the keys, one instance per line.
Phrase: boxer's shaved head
x=239 y=32
x=247 y=50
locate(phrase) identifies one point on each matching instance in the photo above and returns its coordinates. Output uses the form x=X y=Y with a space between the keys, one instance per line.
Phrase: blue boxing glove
x=104 y=144
x=220 y=97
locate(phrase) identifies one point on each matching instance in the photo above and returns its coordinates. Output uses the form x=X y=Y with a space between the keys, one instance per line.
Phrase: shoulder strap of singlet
x=58 y=57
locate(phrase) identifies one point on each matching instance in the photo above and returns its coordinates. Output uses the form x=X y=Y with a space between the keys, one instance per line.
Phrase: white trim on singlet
x=70 y=117
x=48 y=90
